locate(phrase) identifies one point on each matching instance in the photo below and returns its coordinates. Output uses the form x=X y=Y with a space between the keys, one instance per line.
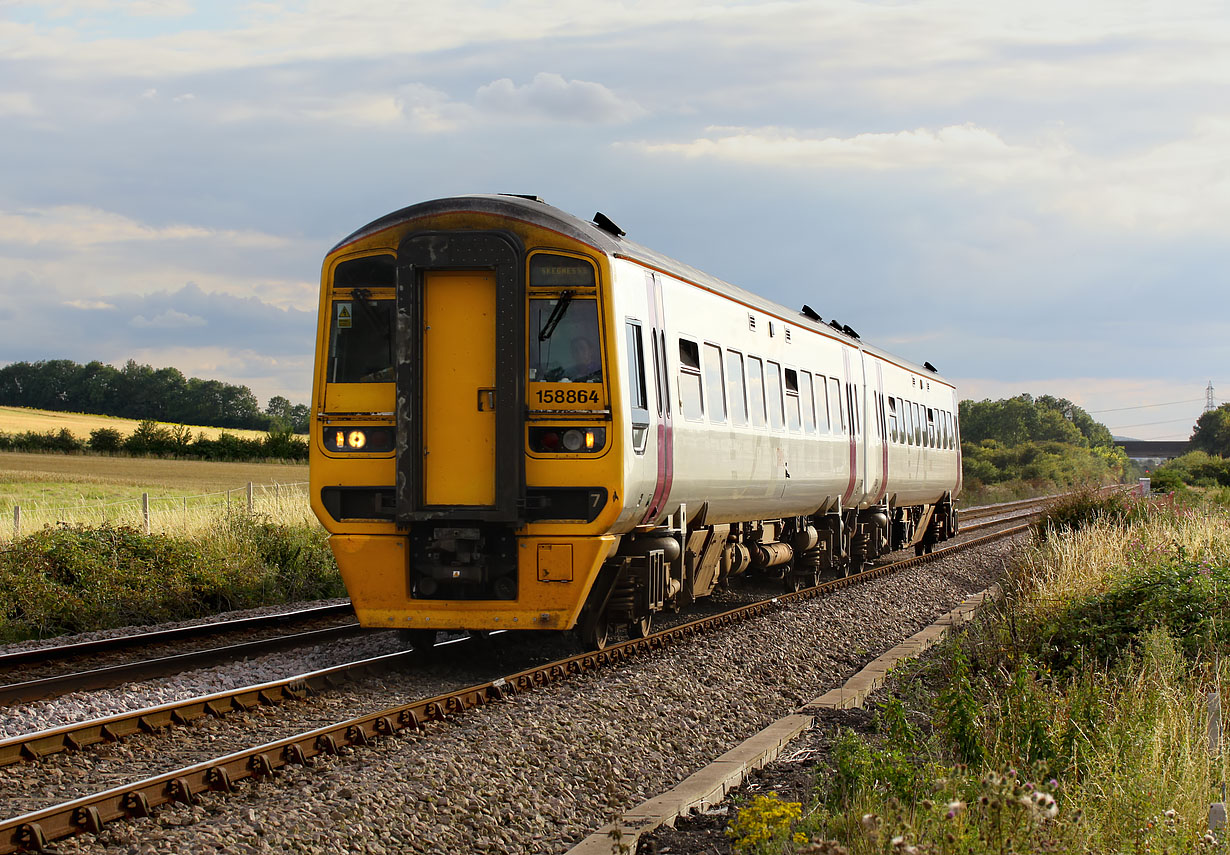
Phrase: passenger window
x=822 y=403
x=714 y=384
x=931 y=436
x=918 y=425
x=637 y=393
x=774 y=379
x=909 y=423
x=852 y=392
x=689 y=380
x=892 y=419
x=806 y=399
x=794 y=415
x=734 y=388
x=755 y=388
x=838 y=413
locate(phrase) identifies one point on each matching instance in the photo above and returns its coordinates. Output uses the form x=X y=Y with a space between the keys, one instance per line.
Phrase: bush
x=70 y=579
x=106 y=440
x=1083 y=507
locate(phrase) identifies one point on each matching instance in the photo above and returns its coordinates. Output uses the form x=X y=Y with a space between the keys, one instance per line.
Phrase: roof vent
x=846 y=329
x=931 y=368
x=605 y=223
x=524 y=196
x=811 y=314
x=836 y=324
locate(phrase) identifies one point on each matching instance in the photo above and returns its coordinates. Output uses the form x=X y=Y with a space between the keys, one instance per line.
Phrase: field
x=184 y=494
x=22 y=419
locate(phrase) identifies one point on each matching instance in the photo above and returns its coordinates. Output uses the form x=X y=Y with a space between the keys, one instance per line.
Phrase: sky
x=1033 y=197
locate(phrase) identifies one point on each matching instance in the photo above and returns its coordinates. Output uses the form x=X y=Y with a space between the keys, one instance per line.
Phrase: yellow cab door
x=459 y=387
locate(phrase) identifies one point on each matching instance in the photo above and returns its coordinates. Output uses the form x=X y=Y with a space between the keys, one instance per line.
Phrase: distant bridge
x=1140 y=449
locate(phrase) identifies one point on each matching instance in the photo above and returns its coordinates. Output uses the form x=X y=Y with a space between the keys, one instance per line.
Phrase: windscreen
x=564 y=341
x=361 y=340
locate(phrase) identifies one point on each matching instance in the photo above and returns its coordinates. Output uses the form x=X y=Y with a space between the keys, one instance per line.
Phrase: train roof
x=609 y=240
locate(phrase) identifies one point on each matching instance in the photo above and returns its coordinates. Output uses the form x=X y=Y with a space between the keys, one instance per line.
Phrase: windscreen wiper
x=364 y=298
x=557 y=315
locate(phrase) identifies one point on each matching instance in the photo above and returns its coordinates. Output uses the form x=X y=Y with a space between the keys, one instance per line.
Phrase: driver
x=586 y=367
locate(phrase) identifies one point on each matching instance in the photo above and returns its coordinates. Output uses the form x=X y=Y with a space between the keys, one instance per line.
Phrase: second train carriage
x=522 y=420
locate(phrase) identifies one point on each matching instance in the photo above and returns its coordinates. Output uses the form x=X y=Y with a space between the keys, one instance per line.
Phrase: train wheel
x=641 y=628
x=594 y=636
x=418 y=639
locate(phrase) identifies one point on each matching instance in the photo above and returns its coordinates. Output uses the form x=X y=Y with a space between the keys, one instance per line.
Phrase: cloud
x=83 y=226
x=88 y=305
x=1173 y=187
x=246 y=338
x=17 y=104
x=167 y=320
x=550 y=96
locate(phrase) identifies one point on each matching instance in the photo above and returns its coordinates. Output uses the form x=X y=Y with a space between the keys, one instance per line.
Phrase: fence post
x=16 y=521
x=249 y=498
x=145 y=510
x=1217 y=810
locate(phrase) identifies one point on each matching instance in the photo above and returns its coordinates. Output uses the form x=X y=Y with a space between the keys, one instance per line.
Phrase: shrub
x=106 y=440
x=70 y=579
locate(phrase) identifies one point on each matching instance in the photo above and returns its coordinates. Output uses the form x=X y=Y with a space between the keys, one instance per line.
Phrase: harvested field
x=22 y=419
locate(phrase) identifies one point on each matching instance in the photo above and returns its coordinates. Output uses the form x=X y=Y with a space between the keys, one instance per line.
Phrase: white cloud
x=17 y=104
x=82 y=226
x=88 y=305
x=1174 y=187
x=551 y=96
x=167 y=320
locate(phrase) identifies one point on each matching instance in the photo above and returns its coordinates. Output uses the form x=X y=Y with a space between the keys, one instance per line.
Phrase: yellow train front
x=460 y=463
x=523 y=420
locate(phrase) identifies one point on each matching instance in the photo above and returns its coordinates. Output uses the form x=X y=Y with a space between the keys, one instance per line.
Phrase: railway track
x=38 y=829
x=178 y=635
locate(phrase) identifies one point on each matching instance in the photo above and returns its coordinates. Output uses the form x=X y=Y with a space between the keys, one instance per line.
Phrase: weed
x=765 y=825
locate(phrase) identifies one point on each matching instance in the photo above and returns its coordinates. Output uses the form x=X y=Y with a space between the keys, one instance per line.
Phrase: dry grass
x=185 y=495
x=22 y=419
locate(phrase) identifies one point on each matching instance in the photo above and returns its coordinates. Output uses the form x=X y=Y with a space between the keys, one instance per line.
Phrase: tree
x=1212 y=433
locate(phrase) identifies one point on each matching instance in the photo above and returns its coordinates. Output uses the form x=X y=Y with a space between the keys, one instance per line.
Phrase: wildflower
x=955 y=807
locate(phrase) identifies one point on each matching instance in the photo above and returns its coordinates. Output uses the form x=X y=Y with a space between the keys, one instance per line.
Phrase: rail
x=38 y=829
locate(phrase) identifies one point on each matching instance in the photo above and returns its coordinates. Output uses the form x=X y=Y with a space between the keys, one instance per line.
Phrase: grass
x=69 y=579
x=22 y=419
x=183 y=494
x=1074 y=719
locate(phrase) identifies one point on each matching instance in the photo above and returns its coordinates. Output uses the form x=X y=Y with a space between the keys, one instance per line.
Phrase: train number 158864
x=568 y=396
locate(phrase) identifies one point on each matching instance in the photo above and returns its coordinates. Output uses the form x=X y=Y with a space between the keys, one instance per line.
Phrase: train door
x=459 y=387
x=877 y=434
x=460 y=359
x=853 y=383
x=662 y=439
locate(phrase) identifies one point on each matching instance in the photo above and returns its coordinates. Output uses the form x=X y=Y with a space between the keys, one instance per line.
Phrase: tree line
x=155 y=440
x=1041 y=443
x=143 y=392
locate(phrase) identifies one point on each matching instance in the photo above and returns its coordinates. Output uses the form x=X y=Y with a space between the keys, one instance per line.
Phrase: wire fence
x=282 y=501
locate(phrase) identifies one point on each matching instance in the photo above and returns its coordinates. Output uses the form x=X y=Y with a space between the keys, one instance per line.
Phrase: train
x=523 y=420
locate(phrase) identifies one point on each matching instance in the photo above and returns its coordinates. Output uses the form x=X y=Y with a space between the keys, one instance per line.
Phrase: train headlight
x=374 y=439
x=567 y=440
